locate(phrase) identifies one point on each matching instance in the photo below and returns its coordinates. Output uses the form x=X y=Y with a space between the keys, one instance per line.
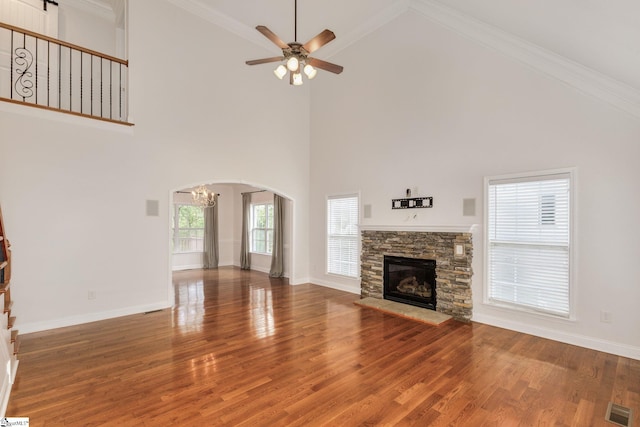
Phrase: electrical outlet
x=606 y=316
x=91 y=295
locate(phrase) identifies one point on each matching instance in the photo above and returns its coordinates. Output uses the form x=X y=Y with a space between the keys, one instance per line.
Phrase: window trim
x=572 y=248
x=253 y=205
x=358 y=273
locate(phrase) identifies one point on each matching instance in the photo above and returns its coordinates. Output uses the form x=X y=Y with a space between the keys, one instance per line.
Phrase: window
x=342 y=235
x=262 y=228
x=528 y=242
x=188 y=228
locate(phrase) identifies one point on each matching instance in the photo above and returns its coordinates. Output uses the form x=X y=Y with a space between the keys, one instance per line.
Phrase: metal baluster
x=120 y=94
x=101 y=87
x=48 y=72
x=37 y=70
x=81 y=81
x=92 y=85
x=24 y=46
x=110 y=89
x=11 y=53
x=60 y=77
x=70 y=81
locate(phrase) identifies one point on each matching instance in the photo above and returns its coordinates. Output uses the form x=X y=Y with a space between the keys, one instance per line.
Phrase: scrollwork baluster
x=23 y=85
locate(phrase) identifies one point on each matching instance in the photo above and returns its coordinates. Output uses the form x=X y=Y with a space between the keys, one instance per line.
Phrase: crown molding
x=584 y=79
x=211 y=15
x=383 y=17
x=341 y=42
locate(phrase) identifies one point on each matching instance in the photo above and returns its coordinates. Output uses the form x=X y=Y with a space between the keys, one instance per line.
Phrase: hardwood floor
x=242 y=349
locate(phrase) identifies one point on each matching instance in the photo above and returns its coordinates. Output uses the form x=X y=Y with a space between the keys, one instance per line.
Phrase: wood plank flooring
x=240 y=349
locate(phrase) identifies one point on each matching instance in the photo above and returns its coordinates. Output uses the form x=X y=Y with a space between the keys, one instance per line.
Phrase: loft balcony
x=43 y=72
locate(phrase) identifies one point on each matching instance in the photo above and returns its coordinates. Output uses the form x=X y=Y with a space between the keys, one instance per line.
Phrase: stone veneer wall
x=453 y=274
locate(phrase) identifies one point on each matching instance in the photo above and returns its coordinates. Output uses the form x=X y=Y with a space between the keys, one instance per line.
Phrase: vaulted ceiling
x=593 y=45
x=602 y=35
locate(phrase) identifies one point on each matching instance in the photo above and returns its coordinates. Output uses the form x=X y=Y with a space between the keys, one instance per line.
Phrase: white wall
x=73 y=191
x=421 y=107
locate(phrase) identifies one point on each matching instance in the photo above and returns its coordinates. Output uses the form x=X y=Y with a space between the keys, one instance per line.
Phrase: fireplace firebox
x=410 y=281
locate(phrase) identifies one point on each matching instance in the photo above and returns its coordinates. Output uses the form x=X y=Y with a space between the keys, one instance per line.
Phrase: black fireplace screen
x=410 y=281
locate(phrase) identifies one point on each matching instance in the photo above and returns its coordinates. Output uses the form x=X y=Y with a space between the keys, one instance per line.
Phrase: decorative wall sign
x=411 y=203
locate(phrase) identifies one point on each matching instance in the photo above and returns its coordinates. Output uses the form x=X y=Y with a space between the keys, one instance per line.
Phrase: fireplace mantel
x=462 y=228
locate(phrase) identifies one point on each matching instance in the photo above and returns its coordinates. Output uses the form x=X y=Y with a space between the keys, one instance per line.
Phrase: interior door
x=39 y=16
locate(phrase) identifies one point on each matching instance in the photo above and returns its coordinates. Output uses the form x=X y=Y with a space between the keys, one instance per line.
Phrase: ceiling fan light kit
x=296 y=56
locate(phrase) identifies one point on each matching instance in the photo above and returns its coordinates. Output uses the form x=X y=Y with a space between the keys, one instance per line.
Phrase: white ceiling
x=603 y=35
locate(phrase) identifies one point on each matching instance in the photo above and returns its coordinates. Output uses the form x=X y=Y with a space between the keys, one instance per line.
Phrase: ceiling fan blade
x=264 y=60
x=324 y=65
x=318 y=41
x=271 y=36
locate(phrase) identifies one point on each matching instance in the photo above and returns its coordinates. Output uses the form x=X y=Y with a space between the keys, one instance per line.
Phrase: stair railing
x=48 y=73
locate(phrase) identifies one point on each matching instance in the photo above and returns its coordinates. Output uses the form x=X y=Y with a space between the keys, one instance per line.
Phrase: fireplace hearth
x=410 y=281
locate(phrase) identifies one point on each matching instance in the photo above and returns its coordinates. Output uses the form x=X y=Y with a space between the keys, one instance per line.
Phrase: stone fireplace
x=453 y=270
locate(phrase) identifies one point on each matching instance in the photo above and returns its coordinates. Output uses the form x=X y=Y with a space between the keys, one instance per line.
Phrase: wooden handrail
x=101 y=96
x=73 y=113
x=63 y=43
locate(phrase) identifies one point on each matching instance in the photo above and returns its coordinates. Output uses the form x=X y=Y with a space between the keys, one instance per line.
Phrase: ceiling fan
x=296 y=55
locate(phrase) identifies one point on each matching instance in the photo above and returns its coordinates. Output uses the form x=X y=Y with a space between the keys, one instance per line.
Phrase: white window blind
x=342 y=235
x=528 y=235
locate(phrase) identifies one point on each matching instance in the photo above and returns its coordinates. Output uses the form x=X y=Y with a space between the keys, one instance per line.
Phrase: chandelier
x=204 y=197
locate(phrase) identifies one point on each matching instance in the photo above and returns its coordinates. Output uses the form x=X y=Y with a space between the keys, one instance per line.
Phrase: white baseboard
x=187 y=267
x=261 y=269
x=579 y=340
x=337 y=286
x=27 y=328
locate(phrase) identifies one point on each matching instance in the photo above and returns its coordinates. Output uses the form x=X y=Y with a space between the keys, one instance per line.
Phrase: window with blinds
x=528 y=241
x=342 y=235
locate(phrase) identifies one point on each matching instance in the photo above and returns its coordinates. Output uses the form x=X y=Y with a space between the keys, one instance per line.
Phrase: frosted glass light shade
x=297 y=79
x=293 y=64
x=310 y=71
x=280 y=72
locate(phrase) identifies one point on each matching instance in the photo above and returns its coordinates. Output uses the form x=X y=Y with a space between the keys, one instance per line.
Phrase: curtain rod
x=189 y=192
x=251 y=192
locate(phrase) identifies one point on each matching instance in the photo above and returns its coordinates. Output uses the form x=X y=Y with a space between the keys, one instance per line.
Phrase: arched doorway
x=186 y=230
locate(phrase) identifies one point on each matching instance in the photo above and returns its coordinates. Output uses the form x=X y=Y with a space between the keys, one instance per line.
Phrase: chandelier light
x=204 y=197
